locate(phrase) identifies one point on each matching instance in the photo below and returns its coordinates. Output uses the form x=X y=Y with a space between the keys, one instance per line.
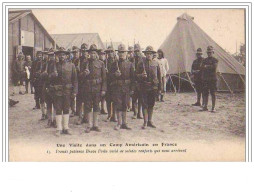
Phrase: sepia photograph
x=127 y=84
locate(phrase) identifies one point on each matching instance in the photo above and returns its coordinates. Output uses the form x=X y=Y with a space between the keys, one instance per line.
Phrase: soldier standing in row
x=65 y=85
x=28 y=65
x=136 y=97
x=76 y=62
x=94 y=83
x=197 y=73
x=130 y=57
x=149 y=78
x=37 y=68
x=19 y=73
x=49 y=98
x=209 y=77
x=109 y=96
x=102 y=57
x=83 y=60
x=122 y=75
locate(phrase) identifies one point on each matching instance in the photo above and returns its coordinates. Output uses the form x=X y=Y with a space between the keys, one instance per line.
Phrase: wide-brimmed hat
x=38 y=52
x=121 y=48
x=62 y=50
x=84 y=47
x=137 y=47
x=45 y=51
x=101 y=51
x=149 y=49
x=51 y=51
x=199 y=51
x=130 y=49
x=210 y=49
x=109 y=49
x=75 y=49
x=93 y=47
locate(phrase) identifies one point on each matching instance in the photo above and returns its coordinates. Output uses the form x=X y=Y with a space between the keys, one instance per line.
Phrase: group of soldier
x=84 y=78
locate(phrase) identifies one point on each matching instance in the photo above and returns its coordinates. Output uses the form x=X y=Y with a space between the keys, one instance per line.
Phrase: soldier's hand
x=118 y=73
x=103 y=93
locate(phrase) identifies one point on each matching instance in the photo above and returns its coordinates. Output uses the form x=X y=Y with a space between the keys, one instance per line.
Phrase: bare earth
x=207 y=136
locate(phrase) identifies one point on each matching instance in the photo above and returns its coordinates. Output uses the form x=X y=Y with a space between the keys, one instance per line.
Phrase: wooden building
x=26 y=34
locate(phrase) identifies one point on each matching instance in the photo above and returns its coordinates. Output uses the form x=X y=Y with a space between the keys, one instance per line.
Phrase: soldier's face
x=85 y=54
x=209 y=54
x=159 y=54
x=28 y=58
x=76 y=55
x=51 y=57
x=93 y=55
x=137 y=53
x=102 y=57
x=39 y=56
x=122 y=55
x=149 y=56
x=111 y=55
x=62 y=56
x=199 y=55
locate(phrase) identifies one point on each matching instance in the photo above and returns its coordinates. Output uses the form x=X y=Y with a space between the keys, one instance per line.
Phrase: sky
x=146 y=26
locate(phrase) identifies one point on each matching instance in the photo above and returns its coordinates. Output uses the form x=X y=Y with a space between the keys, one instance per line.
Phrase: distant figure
x=19 y=73
x=163 y=62
x=196 y=71
x=28 y=67
x=209 y=78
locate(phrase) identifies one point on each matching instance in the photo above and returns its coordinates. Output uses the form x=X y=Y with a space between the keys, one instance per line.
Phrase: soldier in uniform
x=38 y=68
x=209 y=77
x=94 y=83
x=196 y=71
x=122 y=75
x=19 y=73
x=149 y=78
x=28 y=66
x=136 y=97
x=102 y=57
x=130 y=57
x=76 y=62
x=65 y=84
x=49 y=96
x=109 y=97
x=80 y=100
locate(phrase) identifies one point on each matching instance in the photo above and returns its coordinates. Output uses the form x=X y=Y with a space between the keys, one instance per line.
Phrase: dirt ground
x=207 y=136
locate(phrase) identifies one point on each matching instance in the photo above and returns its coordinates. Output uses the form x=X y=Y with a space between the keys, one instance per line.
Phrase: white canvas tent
x=180 y=50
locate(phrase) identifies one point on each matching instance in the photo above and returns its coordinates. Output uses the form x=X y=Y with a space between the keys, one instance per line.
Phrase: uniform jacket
x=66 y=81
x=38 y=67
x=153 y=80
x=125 y=82
x=18 y=67
x=96 y=81
x=109 y=65
x=196 y=66
x=209 y=72
x=76 y=62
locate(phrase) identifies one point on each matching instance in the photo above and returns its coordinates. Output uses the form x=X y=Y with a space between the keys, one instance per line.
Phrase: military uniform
x=94 y=83
x=209 y=77
x=64 y=84
x=38 y=68
x=19 y=73
x=136 y=97
x=109 y=96
x=197 y=72
x=149 y=86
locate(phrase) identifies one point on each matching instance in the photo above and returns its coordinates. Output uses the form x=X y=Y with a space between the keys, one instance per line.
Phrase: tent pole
x=226 y=83
x=172 y=83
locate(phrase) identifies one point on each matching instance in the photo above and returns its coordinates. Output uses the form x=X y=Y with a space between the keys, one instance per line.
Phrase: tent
x=69 y=40
x=180 y=51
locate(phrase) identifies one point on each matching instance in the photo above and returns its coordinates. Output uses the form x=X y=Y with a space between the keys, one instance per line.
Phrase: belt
x=128 y=81
x=94 y=81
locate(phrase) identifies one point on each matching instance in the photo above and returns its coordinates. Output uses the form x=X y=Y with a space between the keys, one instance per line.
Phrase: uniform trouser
x=136 y=102
x=50 y=104
x=110 y=103
x=199 y=89
x=92 y=101
x=27 y=81
x=72 y=104
x=121 y=100
x=209 y=87
x=62 y=104
x=148 y=98
x=38 y=94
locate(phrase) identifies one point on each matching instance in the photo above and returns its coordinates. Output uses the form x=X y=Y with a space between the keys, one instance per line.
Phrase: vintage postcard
x=139 y=84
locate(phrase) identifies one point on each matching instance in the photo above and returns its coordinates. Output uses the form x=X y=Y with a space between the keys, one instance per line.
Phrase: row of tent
x=180 y=50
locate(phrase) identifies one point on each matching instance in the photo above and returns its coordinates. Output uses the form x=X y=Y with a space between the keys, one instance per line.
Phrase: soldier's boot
x=150 y=117
x=213 y=103
x=78 y=107
x=66 y=129
x=85 y=118
x=90 y=122
x=103 y=106
x=43 y=114
x=139 y=110
x=162 y=100
x=27 y=87
x=135 y=110
x=145 y=113
x=119 y=120
x=124 y=125
x=20 y=90
x=49 y=118
x=95 y=122
x=59 y=124
x=205 y=103
x=37 y=104
x=114 y=114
